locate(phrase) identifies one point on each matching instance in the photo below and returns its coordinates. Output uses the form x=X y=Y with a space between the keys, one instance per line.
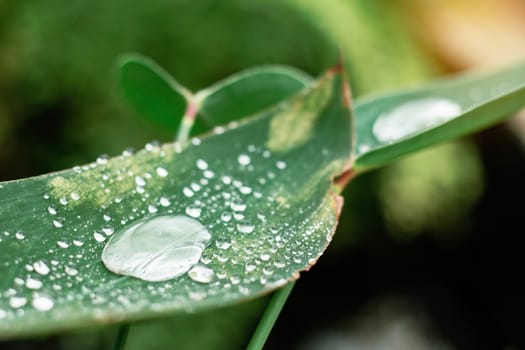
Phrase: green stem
x=122 y=336
x=271 y=313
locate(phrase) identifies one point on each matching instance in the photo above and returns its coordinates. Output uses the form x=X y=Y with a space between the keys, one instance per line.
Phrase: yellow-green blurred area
x=428 y=252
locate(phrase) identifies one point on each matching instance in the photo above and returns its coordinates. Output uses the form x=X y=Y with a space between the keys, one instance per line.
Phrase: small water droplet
x=17 y=302
x=78 y=243
x=32 y=283
x=99 y=237
x=152 y=146
x=162 y=172
x=157 y=248
x=128 y=152
x=108 y=230
x=140 y=181
x=63 y=201
x=226 y=180
x=245 y=227
x=152 y=209
x=52 y=210
x=187 y=192
x=208 y=174
x=42 y=303
x=106 y=218
x=237 y=206
x=201 y=273
x=245 y=190
x=244 y=159
x=195 y=141
x=265 y=257
x=165 y=202
x=102 y=159
x=223 y=243
x=3 y=314
x=58 y=222
x=201 y=164
x=226 y=216
x=194 y=212
x=20 y=235
x=280 y=165
x=71 y=271
x=74 y=196
x=41 y=267
x=413 y=117
x=62 y=244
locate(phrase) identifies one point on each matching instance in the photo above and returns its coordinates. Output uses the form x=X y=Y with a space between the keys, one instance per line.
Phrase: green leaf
x=249 y=92
x=152 y=91
x=272 y=176
x=391 y=125
x=159 y=98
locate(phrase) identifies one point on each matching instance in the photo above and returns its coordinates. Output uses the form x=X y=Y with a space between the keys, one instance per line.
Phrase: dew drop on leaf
x=413 y=117
x=41 y=267
x=17 y=302
x=42 y=303
x=32 y=283
x=194 y=212
x=201 y=164
x=162 y=172
x=201 y=273
x=158 y=248
x=245 y=227
x=244 y=159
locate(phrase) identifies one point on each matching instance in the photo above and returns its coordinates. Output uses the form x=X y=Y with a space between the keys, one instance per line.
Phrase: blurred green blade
x=152 y=91
x=262 y=189
x=391 y=125
x=249 y=92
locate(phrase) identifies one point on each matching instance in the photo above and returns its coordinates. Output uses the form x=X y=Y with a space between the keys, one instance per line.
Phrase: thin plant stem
x=269 y=317
x=122 y=336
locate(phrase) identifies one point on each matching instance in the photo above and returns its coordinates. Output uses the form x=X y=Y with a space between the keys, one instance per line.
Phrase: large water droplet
x=156 y=249
x=413 y=117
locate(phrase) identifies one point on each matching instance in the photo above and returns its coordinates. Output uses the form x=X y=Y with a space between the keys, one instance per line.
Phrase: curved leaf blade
x=472 y=102
x=62 y=219
x=152 y=91
x=249 y=92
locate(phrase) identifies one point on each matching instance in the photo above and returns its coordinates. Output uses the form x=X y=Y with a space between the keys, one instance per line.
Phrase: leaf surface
x=262 y=189
x=394 y=124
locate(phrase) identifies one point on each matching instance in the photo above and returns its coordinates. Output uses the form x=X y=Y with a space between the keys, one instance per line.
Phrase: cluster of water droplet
x=207 y=229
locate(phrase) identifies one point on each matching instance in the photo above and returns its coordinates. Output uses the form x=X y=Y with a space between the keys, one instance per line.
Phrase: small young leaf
x=159 y=98
x=391 y=125
x=249 y=92
x=259 y=194
x=152 y=91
